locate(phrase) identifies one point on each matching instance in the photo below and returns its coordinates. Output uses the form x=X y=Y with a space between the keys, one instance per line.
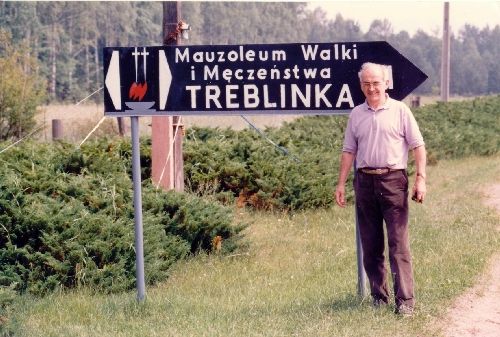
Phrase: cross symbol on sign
x=136 y=54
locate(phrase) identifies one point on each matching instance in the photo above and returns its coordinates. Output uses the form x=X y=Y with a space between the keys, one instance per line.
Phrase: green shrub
x=67 y=220
x=260 y=175
x=461 y=129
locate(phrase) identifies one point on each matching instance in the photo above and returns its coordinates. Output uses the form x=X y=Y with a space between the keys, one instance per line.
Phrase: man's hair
x=367 y=65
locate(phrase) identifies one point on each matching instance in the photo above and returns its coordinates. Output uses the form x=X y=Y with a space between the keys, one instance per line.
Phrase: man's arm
x=345 y=166
x=419 y=188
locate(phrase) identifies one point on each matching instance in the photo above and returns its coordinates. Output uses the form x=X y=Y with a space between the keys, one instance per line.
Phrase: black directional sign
x=301 y=78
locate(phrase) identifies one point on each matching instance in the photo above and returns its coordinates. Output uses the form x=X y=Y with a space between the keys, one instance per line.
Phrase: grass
x=297 y=278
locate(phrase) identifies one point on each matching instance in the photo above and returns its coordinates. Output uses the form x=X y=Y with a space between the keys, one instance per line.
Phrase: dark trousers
x=382 y=198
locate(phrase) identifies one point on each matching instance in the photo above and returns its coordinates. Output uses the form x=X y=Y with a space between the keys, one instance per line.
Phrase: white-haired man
x=379 y=134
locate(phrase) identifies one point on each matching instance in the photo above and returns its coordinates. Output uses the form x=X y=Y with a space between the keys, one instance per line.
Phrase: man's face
x=374 y=86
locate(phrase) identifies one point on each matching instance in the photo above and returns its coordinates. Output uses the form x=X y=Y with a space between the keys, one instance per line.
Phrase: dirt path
x=477 y=312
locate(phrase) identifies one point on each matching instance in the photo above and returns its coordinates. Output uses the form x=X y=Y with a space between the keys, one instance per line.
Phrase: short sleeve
x=413 y=136
x=350 y=141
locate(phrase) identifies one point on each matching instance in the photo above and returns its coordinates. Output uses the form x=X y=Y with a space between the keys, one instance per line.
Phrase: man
x=379 y=134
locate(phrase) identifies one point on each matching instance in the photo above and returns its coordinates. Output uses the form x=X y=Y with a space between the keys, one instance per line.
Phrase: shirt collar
x=383 y=107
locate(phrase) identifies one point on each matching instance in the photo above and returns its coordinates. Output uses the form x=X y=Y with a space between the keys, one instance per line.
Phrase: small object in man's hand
x=414 y=198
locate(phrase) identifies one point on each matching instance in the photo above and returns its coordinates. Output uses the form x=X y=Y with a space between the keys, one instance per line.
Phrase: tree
x=380 y=30
x=344 y=30
x=21 y=90
x=469 y=73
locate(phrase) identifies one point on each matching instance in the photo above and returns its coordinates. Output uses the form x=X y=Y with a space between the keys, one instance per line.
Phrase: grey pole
x=445 y=54
x=136 y=177
x=57 y=129
x=359 y=253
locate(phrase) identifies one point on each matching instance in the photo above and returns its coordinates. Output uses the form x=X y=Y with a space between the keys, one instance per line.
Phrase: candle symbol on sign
x=138 y=88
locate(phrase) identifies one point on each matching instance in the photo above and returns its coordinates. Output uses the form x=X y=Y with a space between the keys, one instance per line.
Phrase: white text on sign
x=243 y=87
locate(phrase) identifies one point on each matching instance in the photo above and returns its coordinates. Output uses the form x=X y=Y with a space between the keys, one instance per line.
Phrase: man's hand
x=340 y=195
x=346 y=161
x=419 y=190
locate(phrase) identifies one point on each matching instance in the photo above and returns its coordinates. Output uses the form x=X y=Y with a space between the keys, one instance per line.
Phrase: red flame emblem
x=137 y=91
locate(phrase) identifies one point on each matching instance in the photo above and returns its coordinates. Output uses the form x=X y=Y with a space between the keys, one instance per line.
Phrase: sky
x=414 y=15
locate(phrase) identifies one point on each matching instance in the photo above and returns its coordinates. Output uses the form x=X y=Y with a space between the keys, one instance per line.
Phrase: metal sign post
x=139 y=240
x=359 y=251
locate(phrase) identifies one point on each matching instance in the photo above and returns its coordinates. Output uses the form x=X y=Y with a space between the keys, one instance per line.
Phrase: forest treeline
x=66 y=38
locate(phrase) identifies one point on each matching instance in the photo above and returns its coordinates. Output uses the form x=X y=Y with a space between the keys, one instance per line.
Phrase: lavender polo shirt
x=382 y=138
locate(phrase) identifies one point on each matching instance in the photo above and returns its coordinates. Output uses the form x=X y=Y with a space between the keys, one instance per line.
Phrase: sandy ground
x=477 y=312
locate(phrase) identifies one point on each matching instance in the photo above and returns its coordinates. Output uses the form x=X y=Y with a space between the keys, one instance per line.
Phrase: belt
x=378 y=170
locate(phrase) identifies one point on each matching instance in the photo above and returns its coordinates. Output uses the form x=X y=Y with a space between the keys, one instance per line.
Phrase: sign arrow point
x=112 y=81
x=165 y=78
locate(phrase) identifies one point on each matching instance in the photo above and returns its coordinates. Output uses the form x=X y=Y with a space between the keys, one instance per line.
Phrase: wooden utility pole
x=169 y=174
x=445 y=55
